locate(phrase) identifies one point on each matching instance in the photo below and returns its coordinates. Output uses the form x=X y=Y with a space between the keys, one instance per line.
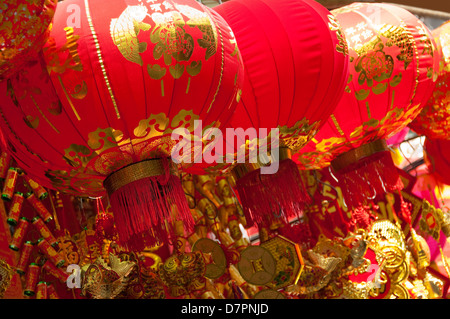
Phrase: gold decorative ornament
x=289 y=261
x=269 y=294
x=184 y=273
x=218 y=264
x=106 y=281
x=257 y=265
x=135 y=172
x=6 y=273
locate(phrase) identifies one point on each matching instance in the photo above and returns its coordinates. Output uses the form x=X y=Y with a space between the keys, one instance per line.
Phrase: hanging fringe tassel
x=146 y=199
x=272 y=197
x=362 y=217
x=366 y=172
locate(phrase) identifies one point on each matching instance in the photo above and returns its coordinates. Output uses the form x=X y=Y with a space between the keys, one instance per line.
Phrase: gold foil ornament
x=106 y=281
x=257 y=265
x=218 y=264
x=289 y=261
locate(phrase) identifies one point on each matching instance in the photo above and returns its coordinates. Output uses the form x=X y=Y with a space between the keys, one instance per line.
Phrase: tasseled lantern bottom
x=272 y=197
x=366 y=172
x=146 y=199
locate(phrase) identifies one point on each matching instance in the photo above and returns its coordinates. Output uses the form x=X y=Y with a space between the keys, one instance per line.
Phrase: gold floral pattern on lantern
x=169 y=36
x=374 y=65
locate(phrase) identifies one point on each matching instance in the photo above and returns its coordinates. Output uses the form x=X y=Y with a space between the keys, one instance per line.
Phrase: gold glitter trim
x=221 y=69
x=338 y=127
x=135 y=172
x=100 y=58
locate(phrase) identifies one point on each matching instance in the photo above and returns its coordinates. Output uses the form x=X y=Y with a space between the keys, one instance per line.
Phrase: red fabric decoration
x=393 y=65
x=105 y=227
x=434 y=120
x=24 y=27
x=437 y=158
x=108 y=90
x=296 y=64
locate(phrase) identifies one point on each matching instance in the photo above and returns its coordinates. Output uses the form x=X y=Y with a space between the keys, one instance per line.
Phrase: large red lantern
x=24 y=27
x=296 y=66
x=434 y=119
x=94 y=114
x=393 y=69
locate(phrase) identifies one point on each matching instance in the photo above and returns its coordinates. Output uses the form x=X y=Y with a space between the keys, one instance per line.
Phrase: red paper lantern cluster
x=105 y=95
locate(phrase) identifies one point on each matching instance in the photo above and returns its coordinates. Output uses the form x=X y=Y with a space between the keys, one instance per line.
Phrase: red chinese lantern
x=393 y=65
x=24 y=27
x=437 y=158
x=94 y=114
x=434 y=119
x=296 y=66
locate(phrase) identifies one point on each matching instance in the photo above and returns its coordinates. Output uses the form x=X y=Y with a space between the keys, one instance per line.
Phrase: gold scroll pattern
x=108 y=149
x=293 y=137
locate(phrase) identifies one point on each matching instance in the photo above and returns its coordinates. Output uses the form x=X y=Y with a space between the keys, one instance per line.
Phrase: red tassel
x=145 y=210
x=369 y=177
x=362 y=217
x=266 y=198
x=405 y=209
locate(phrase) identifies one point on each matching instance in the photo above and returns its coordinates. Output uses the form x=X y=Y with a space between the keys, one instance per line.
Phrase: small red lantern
x=434 y=120
x=95 y=113
x=24 y=27
x=393 y=65
x=296 y=63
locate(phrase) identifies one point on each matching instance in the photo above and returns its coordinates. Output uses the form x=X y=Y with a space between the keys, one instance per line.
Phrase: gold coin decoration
x=257 y=265
x=269 y=294
x=399 y=274
x=399 y=292
x=217 y=267
x=395 y=257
